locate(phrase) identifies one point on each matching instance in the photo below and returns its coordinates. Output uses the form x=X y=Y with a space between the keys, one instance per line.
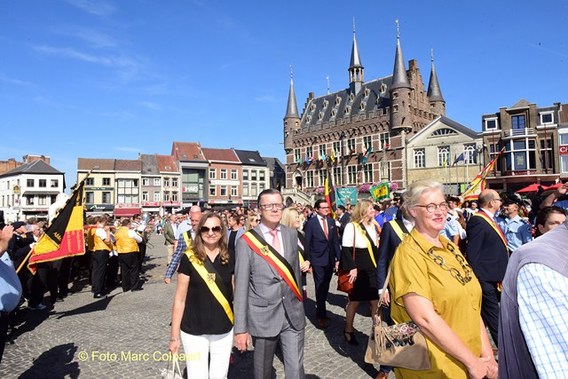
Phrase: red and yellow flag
x=65 y=236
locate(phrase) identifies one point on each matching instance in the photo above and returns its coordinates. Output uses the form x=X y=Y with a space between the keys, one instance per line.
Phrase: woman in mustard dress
x=433 y=285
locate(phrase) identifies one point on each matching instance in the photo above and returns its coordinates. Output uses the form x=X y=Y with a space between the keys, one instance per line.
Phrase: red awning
x=126 y=212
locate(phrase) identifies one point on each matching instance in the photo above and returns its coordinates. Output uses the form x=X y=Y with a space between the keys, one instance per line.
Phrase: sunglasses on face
x=206 y=229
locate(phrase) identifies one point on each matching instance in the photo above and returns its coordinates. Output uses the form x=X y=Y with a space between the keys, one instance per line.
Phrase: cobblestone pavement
x=126 y=335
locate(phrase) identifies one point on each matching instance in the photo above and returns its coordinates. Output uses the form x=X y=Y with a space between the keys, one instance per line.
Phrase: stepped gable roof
x=86 y=164
x=220 y=155
x=187 y=151
x=166 y=163
x=36 y=167
x=374 y=94
x=128 y=165
x=250 y=158
x=149 y=164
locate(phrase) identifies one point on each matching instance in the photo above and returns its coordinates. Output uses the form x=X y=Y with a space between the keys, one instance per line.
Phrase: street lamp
x=341 y=145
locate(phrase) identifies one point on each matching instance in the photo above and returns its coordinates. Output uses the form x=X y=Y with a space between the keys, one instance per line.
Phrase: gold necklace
x=463 y=279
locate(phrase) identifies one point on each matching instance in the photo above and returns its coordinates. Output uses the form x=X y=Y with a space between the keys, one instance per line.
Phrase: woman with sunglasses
x=291 y=218
x=202 y=313
x=433 y=285
x=252 y=220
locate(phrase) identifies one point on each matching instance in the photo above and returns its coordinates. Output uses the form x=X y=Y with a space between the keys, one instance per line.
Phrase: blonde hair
x=360 y=210
x=289 y=216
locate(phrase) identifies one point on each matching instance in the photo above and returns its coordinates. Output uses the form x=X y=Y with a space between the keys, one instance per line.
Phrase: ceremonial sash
x=364 y=232
x=397 y=229
x=213 y=280
x=188 y=243
x=257 y=244
x=494 y=225
x=301 y=252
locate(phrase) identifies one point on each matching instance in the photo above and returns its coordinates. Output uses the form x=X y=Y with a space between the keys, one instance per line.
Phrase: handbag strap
x=382 y=296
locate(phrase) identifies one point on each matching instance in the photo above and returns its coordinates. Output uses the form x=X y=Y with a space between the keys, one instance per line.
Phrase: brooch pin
x=211 y=277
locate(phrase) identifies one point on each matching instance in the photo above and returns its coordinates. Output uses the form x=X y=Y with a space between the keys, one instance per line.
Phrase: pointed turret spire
x=292 y=108
x=399 y=78
x=356 y=69
x=434 y=91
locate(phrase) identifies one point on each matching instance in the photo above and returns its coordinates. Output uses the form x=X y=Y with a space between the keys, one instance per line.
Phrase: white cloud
x=95 y=7
x=6 y=79
x=151 y=105
x=128 y=149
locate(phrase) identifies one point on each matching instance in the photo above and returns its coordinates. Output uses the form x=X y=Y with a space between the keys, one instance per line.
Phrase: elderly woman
x=291 y=218
x=433 y=285
x=203 y=302
x=359 y=255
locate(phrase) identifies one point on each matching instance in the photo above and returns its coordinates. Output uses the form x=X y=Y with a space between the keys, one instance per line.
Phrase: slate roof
x=187 y=151
x=149 y=164
x=250 y=158
x=36 y=167
x=220 y=155
x=448 y=122
x=374 y=94
x=166 y=163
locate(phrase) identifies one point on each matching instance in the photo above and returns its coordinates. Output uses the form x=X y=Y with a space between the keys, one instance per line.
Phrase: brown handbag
x=343 y=283
x=399 y=345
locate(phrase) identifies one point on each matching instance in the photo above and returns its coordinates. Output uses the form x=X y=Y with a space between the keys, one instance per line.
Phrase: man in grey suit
x=267 y=302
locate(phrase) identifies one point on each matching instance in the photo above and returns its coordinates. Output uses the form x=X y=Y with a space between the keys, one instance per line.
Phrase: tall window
x=245 y=174
x=352 y=174
x=309 y=179
x=166 y=195
x=54 y=183
x=212 y=190
x=174 y=182
x=89 y=197
x=368 y=173
x=351 y=145
x=337 y=148
x=520 y=154
x=234 y=191
x=223 y=191
x=419 y=158
x=518 y=124
x=443 y=156
x=385 y=171
x=470 y=154
x=90 y=182
x=297 y=156
x=106 y=181
x=367 y=142
x=30 y=182
x=174 y=196
x=223 y=173
x=106 y=197
x=384 y=141
x=321 y=177
x=253 y=175
x=166 y=182
x=145 y=182
x=157 y=182
x=245 y=190
x=310 y=152
x=234 y=174
x=337 y=176
x=42 y=183
x=145 y=196
x=322 y=151
x=156 y=196
x=546 y=157
x=493 y=151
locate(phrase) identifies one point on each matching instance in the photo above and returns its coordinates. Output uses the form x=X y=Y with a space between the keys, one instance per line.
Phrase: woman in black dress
x=359 y=255
x=291 y=218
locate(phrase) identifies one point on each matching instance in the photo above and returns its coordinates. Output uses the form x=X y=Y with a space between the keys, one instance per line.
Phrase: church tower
x=437 y=102
x=292 y=118
x=356 y=69
x=399 y=92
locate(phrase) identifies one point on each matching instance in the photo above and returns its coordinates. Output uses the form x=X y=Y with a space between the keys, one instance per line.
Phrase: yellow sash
x=274 y=259
x=367 y=239
x=494 y=225
x=212 y=279
x=397 y=229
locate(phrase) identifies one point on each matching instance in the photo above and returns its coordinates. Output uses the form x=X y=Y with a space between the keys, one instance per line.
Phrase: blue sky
x=111 y=79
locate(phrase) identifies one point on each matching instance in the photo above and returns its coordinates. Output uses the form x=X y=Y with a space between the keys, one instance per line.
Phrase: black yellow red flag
x=329 y=193
x=65 y=236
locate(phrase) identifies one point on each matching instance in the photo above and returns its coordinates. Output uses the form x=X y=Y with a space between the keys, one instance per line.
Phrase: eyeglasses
x=267 y=207
x=215 y=229
x=432 y=207
x=256 y=220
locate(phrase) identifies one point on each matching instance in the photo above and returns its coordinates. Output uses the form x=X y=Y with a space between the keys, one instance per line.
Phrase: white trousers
x=197 y=350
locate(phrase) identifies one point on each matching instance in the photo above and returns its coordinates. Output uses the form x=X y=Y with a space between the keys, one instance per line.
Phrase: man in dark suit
x=487 y=254
x=268 y=302
x=324 y=247
x=343 y=218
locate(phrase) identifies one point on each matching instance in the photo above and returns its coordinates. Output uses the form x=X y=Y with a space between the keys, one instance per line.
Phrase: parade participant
x=252 y=220
x=202 y=313
x=517 y=231
x=181 y=244
x=487 y=254
x=549 y=218
x=323 y=243
x=234 y=231
x=361 y=238
x=343 y=218
x=533 y=328
x=99 y=258
x=169 y=235
x=433 y=286
x=10 y=287
x=268 y=300
x=291 y=218
x=126 y=245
